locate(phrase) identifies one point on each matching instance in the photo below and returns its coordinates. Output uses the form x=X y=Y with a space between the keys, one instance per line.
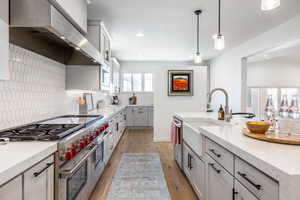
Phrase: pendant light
x=219 y=38
x=198 y=56
x=269 y=4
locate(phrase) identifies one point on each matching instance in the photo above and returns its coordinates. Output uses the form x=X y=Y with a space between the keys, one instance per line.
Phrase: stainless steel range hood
x=41 y=28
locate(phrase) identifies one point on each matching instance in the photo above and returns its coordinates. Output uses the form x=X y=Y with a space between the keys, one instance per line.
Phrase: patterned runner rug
x=139 y=177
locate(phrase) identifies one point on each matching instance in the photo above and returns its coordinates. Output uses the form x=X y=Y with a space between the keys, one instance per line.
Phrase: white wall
x=165 y=106
x=35 y=91
x=226 y=69
x=276 y=72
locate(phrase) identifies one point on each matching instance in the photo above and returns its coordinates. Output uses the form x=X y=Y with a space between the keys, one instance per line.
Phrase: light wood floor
x=140 y=141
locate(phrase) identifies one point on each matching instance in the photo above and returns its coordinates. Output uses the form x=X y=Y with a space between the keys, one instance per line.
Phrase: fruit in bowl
x=258 y=127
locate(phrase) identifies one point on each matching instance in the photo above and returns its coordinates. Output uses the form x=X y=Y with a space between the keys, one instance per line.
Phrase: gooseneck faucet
x=228 y=115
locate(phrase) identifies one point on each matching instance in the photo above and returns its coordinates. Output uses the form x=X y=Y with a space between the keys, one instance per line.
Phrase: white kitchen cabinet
x=219 y=182
x=75 y=11
x=129 y=116
x=4 y=41
x=140 y=116
x=83 y=77
x=98 y=35
x=12 y=190
x=150 y=116
x=39 y=181
x=241 y=193
x=194 y=169
x=115 y=75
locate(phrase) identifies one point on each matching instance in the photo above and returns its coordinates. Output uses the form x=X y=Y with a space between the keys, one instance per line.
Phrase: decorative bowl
x=258 y=127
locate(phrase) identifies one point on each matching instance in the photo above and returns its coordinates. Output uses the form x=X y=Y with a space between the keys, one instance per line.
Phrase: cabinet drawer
x=261 y=185
x=219 y=181
x=39 y=181
x=220 y=154
x=241 y=193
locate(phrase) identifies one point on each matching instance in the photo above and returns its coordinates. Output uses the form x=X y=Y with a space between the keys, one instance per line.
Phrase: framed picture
x=180 y=82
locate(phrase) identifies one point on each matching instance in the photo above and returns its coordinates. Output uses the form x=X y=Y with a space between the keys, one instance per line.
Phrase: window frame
x=142 y=82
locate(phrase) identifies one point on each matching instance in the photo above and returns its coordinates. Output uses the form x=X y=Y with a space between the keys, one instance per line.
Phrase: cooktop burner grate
x=39 y=132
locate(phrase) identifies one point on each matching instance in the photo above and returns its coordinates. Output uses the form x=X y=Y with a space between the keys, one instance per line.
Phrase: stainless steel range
x=80 y=158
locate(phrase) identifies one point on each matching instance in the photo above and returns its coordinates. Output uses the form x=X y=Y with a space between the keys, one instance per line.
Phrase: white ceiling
x=170 y=25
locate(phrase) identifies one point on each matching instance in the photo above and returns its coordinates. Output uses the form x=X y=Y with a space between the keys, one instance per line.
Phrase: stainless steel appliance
x=42 y=27
x=80 y=159
x=178 y=148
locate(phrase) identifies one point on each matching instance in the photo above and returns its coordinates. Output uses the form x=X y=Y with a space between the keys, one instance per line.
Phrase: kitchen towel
x=139 y=177
x=175 y=138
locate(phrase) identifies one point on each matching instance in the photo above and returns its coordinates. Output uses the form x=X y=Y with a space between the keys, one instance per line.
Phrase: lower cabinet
x=12 y=190
x=39 y=181
x=139 y=116
x=241 y=193
x=194 y=168
x=219 y=182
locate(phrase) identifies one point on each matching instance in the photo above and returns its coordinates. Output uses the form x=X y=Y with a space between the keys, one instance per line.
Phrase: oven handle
x=67 y=173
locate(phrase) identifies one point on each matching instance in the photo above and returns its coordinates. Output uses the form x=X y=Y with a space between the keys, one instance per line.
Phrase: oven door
x=75 y=176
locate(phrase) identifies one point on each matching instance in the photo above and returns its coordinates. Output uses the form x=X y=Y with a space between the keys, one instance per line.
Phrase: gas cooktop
x=52 y=129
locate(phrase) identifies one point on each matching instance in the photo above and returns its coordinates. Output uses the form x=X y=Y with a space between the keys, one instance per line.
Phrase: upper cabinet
x=100 y=38
x=75 y=11
x=4 y=40
x=116 y=67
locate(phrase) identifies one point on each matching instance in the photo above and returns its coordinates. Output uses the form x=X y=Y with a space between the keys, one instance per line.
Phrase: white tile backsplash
x=35 y=91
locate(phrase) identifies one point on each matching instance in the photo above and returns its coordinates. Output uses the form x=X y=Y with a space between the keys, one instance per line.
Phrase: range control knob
x=69 y=155
x=74 y=151
x=97 y=133
x=91 y=138
x=82 y=144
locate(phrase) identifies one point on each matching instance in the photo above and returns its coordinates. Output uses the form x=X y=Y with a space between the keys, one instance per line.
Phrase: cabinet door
x=150 y=116
x=39 y=181
x=186 y=161
x=241 y=193
x=12 y=190
x=140 y=116
x=219 y=182
x=129 y=116
x=198 y=175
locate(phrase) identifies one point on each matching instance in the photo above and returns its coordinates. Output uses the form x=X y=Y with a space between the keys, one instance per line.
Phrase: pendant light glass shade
x=269 y=4
x=198 y=58
x=219 y=42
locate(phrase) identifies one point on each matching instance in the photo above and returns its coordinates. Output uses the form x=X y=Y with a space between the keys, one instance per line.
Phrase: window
x=148 y=82
x=137 y=82
x=127 y=82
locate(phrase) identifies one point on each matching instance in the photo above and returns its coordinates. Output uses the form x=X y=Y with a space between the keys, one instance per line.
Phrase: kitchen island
x=257 y=169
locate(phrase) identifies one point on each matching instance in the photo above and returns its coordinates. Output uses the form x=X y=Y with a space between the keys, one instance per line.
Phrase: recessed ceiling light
x=140 y=34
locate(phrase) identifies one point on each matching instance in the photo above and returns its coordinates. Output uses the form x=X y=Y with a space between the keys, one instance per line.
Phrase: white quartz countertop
x=274 y=159
x=17 y=157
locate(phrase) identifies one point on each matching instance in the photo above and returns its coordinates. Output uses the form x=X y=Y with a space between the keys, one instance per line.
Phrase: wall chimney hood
x=41 y=28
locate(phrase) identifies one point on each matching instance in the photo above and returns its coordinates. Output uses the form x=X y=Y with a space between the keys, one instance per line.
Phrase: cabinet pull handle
x=213 y=166
x=191 y=166
x=234 y=193
x=214 y=152
x=243 y=175
x=188 y=160
x=36 y=174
